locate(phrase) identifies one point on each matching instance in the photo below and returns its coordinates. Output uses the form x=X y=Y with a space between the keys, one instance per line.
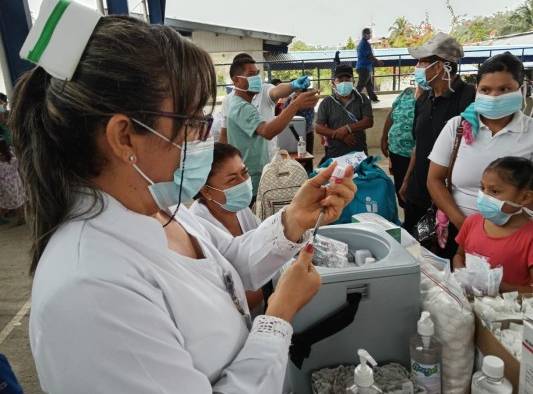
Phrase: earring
x=132 y=158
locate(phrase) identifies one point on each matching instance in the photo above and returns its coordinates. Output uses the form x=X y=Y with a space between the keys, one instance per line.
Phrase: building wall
x=224 y=47
x=215 y=42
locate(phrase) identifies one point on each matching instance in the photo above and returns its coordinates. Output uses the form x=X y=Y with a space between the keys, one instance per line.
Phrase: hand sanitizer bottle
x=426 y=353
x=363 y=376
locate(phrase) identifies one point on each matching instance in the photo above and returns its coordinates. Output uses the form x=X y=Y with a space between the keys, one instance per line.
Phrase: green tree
x=522 y=17
x=350 y=44
x=299 y=45
x=400 y=27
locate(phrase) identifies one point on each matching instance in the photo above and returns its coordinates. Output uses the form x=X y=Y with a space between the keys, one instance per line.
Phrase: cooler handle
x=301 y=342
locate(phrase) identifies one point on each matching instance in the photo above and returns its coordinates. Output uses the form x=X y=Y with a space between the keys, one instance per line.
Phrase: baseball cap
x=343 y=70
x=441 y=45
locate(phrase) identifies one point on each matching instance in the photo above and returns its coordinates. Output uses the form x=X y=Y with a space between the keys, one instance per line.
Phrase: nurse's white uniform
x=114 y=310
x=247 y=220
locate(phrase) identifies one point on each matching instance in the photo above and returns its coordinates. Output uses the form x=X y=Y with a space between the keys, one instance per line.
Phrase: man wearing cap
x=444 y=96
x=344 y=116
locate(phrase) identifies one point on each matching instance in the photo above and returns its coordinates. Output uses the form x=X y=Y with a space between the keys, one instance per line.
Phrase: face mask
x=255 y=84
x=344 y=89
x=497 y=107
x=238 y=197
x=2 y=109
x=420 y=76
x=491 y=209
x=195 y=165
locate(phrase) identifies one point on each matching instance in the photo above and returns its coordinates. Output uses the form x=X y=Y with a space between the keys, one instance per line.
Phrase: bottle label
x=427 y=376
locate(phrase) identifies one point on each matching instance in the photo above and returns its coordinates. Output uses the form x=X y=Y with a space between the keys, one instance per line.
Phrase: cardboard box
x=488 y=345
x=526 y=370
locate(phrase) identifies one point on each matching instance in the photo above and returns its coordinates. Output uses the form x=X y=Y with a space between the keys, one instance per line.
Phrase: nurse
x=225 y=198
x=110 y=131
x=224 y=202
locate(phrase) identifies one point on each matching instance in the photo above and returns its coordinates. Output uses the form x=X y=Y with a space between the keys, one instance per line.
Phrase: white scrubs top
x=264 y=105
x=114 y=310
x=515 y=139
x=246 y=217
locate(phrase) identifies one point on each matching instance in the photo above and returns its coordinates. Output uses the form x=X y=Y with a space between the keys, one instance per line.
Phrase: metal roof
x=390 y=56
x=268 y=37
x=524 y=38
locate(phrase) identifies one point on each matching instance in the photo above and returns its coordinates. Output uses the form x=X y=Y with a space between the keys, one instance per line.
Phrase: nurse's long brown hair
x=127 y=66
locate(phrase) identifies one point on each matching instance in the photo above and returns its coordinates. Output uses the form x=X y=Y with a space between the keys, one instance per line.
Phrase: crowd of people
x=108 y=163
x=445 y=137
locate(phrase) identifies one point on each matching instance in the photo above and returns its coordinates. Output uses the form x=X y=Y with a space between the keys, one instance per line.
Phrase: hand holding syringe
x=338 y=173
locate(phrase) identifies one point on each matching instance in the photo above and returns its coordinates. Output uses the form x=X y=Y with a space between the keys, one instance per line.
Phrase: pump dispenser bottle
x=426 y=351
x=363 y=376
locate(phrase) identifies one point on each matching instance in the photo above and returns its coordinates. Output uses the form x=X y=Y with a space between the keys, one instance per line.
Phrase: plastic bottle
x=363 y=375
x=426 y=351
x=490 y=379
x=301 y=148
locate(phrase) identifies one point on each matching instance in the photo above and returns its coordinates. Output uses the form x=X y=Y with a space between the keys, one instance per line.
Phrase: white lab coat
x=114 y=310
x=247 y=220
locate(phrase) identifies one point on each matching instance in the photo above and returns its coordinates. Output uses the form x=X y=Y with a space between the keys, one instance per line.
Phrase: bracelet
x=349 y=129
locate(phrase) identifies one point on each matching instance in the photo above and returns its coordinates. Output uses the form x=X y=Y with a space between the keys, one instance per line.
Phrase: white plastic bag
x=478 y=278
x=452 y=315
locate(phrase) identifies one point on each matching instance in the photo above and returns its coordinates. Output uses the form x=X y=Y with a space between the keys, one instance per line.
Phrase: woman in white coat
x=108 y=137
x=224 y=201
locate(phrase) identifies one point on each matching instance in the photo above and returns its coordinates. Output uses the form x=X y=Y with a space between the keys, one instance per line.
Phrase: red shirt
x=514 y=253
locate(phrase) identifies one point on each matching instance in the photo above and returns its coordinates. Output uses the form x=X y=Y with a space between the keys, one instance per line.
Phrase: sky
x=320 y=22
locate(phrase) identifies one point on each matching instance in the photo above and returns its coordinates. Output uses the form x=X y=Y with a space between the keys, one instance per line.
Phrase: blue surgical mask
x=420 y=76
x=191 y=176
x=344 y=88
x=238 y=197
x=255 y=84
x=491 y=209
x=497 y=107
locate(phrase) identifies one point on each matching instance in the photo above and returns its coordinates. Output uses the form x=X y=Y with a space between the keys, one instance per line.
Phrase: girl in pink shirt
x=503 y=230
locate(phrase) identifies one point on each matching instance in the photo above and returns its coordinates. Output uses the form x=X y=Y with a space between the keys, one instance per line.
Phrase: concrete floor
x=15 y=286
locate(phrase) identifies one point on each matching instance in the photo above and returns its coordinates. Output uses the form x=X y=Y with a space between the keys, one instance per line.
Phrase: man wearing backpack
x=247 y=129
x=344 y=116
x=444 y=96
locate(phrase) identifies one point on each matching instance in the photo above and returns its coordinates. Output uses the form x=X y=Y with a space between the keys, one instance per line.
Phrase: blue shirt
x=364 y=54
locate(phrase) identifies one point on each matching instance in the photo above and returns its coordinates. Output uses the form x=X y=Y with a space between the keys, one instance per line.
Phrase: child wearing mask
x=502 y=231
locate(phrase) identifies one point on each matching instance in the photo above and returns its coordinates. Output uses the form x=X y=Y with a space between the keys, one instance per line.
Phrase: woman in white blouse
x=123 y=302
x=493 y=127
x=225 y=198
x=224 y=201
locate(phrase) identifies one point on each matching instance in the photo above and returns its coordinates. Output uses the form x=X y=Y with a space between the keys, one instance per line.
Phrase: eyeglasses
x=200 y=124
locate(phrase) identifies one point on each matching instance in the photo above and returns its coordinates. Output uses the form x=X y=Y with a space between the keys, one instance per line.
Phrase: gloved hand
x=301 y=83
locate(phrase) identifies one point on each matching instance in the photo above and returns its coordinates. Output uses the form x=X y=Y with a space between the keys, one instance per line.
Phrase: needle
x=317 y=225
